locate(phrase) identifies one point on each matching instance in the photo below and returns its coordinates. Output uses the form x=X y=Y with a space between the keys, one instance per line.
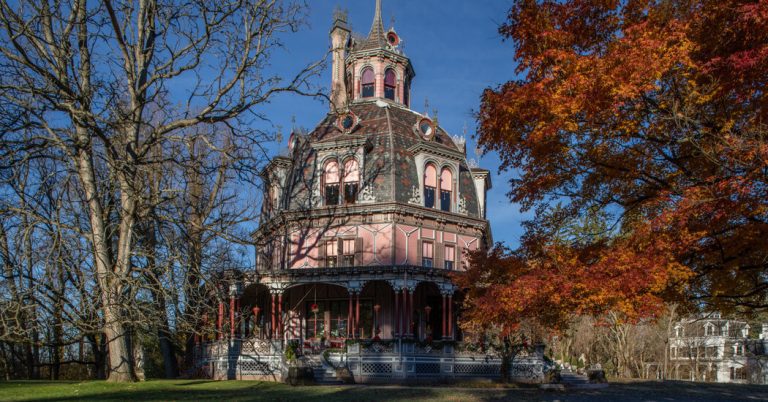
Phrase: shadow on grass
x=256 y=391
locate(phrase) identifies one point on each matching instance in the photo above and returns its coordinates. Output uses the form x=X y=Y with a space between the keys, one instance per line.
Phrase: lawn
x=184 y=390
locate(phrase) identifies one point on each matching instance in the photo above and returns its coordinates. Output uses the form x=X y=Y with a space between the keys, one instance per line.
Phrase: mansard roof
x=386 y=132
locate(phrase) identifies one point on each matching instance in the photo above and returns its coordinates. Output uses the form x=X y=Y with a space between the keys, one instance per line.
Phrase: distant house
x=710 y=348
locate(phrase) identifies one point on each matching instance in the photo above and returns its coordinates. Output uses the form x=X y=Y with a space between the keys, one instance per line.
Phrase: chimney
x=339 y=37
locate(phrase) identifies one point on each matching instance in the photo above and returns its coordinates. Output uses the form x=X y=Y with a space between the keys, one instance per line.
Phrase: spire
x=377 y=38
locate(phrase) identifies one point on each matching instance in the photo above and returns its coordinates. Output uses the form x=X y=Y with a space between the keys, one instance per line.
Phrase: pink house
x=366 y=219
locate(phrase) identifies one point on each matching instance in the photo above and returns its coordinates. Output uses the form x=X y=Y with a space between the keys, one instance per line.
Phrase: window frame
x=370 y=86
x=335 y=186
x=428 y=262
x=393 y=87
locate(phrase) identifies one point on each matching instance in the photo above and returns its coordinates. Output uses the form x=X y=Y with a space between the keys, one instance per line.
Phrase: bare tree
x=97 y=81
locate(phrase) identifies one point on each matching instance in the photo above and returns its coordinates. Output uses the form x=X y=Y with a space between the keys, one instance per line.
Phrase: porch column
x=403 y=330
x=255 y=320
x=450 y=316
x=220 y=322
x=280 y=315
x=410 y=312
x=272 y=329
x=232 y=316
x=445 y=335
x=357 y=314
x=350 y=321
x=238 y=318
x=395 y=315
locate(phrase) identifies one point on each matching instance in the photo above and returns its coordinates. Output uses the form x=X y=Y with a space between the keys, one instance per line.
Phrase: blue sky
x=456 y=51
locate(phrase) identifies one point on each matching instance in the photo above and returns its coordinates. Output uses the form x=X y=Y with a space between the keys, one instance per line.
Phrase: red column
x=403 y=325
x=280 y=315
x=232 y=316
x=410 y=311
x=272 y=333
x=350 y=322
x=450 y=316
x=220 y=323
x=238 y=318
x=445 y=335
x=357 y=314
x=396 y=320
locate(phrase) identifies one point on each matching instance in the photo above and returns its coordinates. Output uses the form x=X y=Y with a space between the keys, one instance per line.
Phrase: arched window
x=351 y=180
x=430 y=185
x=331 y=183
x=390 y=84
x=446 y=184
x=369 y=83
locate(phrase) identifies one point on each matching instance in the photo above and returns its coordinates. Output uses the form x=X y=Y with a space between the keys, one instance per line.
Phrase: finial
x=437 y=122
x=426 y=106
x=464 y=129
x=293 y=123
x=392 y=21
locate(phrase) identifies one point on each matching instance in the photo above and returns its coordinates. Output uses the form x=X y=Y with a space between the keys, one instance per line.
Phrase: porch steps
x=324 y=374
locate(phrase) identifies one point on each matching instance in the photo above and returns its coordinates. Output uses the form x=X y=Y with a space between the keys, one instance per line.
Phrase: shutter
x=321 y=254
x=458 y=255
x=419 y=250
x=340 y=252
x=439 y=253
x=359 y=251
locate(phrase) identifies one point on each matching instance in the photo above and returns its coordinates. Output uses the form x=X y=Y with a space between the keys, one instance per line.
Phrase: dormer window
x=390 y=84
x=331 y=182
x=351 y=181
x=430 y=185
x=368 y=83
x=446 y=184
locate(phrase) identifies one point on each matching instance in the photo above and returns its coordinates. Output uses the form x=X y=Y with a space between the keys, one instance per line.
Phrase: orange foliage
x=654 y=112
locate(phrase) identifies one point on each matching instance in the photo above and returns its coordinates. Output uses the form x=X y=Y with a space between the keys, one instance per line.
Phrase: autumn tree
x=653 y=112
x=103 y=85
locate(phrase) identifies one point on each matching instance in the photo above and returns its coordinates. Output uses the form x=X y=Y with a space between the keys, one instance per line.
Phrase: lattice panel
x=427 y=368
x=377 y=368
x=477 y=369
x=253 y=367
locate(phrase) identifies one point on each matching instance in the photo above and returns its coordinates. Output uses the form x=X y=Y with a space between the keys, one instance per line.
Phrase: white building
x=714 y=349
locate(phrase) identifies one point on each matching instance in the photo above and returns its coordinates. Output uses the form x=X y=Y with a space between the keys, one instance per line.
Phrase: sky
x=456 y=51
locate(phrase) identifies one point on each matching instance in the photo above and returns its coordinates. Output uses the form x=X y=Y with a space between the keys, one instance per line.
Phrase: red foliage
x=653 y=112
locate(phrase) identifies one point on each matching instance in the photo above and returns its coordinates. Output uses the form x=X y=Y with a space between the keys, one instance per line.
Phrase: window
x=331 y=254
x=368 y=83
x=450 y=257
x=430 y=185
x=427 y=254
x=331 y=180
x=446 y=184
x=348 y=252
x=390 y=84
x=351 y=181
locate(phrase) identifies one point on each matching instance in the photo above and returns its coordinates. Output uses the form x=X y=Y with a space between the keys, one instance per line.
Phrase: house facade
x=714 y=349
x=364 y=222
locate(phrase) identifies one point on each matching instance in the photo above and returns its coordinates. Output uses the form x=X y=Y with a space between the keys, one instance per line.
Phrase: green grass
x=186 y=390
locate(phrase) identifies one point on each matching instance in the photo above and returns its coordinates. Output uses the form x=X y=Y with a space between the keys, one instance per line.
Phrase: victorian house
x=363 y=223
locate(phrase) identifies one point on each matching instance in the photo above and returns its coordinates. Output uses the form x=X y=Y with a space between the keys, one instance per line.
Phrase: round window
x=347 y=122
x=393 y=39
x=425 y=127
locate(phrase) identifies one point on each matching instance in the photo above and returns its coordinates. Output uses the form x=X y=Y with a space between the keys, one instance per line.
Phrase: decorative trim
x=439 y=150
x=462 y=206
x=415 y=196
x=367 y=196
